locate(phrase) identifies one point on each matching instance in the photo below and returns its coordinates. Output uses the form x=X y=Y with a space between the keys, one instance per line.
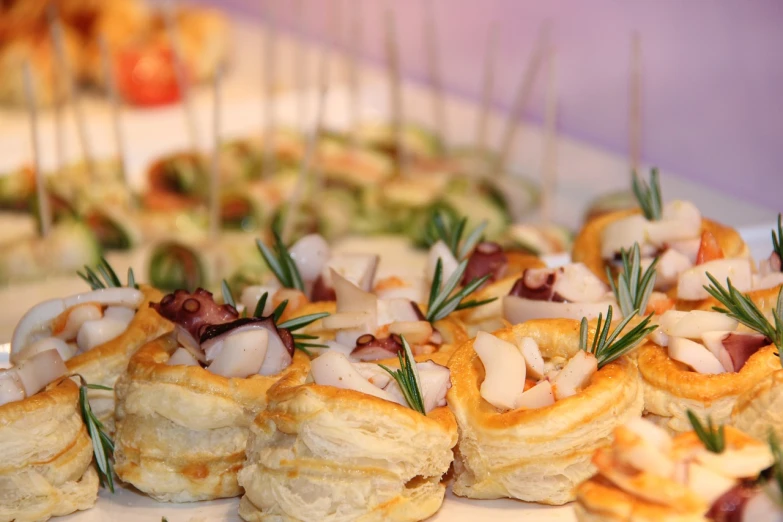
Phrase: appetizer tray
x=128 y=505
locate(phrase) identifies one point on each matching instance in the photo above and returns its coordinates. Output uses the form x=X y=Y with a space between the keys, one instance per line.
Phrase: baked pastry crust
x=45 y=466
x=537 y=455
x=181 y=430
x=105 y=363
x=760 y=408
x=328 y=454
x=670 y=388
x=451 y=328
x=587 y=245
x=766 y=299
x=489 y=317
x=601 y=500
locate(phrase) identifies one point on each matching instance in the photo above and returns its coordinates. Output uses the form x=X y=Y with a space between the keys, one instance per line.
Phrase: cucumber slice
x=175 y=265
x=419 y=142
x=538 y=239
x=113 y=229
x=240 y=211
x=182 y=173
x=241 y=159
x=478 y=208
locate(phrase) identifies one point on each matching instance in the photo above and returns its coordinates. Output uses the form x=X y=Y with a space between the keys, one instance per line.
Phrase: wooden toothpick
x=214 y=178
x=549 y=156
x=73 y=97
x=635 y=99
x=116 y=110
x=433 y=65
x=524 y=93
x=395 y=92
x=270 y=69
x=300 y=72
x=294 y=204
x=180 y=73
x=354 y=55
x=44 y=211
x=487 y=86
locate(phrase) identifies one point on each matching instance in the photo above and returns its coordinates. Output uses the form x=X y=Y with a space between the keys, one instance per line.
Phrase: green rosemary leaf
x=474 y=304
x=300 y=322
x=648 y=195
x=607 y=344
x=103 y=447
x=777 y=239
x=259 y=311
x=456 y=235
x=132 y=279
x=91 y=279
x=109 y=274
x=306 y=337
x=436 y=281
x=741 y=308
x=278 y=312
x=473 y=238
x=271 y=261
x=456 y=302
x=98 y=387
x=633 y=287
x=407 y=378
x=228 y=297
x=714 y=440
x=450 y=230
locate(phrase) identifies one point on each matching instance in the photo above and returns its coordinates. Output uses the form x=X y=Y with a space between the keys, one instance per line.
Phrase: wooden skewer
x=523 y=97
x=182 y=79
x=294 y=203
x=44 y=211
x=116 y=110
x=353 y=57
x=635 y=109
x=70 y=90
x=395 y=92
x=549 y=157
x=433 y=64
x=59 y=133
x=214 y=178
x=270 y=69
x=300 y=72
x=487 y=86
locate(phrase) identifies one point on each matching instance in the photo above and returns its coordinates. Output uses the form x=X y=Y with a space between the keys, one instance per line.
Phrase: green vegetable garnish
x=443 y=301
x=649 y=196
x=633 y=287
x=606 y=345
x=714 y=439
x=407 y=378
x=104 y=276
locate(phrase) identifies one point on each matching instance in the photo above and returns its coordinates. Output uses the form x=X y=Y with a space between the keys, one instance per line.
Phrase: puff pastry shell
x=760 y=408
x=105 y=363
x=324 y=454
x=587 y=245
x=46 y=454
x=538 y=455
x=181 y=430
x=670 y=388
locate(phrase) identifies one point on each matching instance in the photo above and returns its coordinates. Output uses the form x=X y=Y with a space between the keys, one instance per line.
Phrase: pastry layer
x=537 y=455
x=760 y=409
x=45 y=462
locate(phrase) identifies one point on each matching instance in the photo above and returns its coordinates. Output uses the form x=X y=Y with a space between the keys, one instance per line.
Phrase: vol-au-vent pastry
x=186 y=403
x=95 y=332
x=351 y=441
x=710 y=474
x=672 y=233
x=45 y=465
x=702 y=361
x=534 y=401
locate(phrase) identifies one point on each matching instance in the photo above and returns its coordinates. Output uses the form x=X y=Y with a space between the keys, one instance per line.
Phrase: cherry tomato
x=146 y=76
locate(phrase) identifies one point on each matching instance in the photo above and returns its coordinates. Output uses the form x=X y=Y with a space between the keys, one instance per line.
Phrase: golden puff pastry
x=324 y=454
x=622 y=492
x=45 y=464
x=537 y=455
x=181 y=430
x=587 y=245
x=452 y=330
x=759 y=410
x=489 y=317
x=671 y=388
x=765 y=299
x=105 y=363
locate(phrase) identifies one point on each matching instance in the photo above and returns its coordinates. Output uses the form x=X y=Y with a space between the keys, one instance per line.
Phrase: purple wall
x=713 y=72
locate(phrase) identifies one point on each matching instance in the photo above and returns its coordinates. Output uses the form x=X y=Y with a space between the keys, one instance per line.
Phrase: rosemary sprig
x=714 y=439
x=633 y=287
x=777 y=239
x=297 y=323
x=102 y=445
x=606 y=345
x=407 y=378
x=740 y=307
x=450 y=231
x=279 y=261
x=260 y=305
x=228 y=297
x=648 y=196
x=104 y=276
x=443 y=301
